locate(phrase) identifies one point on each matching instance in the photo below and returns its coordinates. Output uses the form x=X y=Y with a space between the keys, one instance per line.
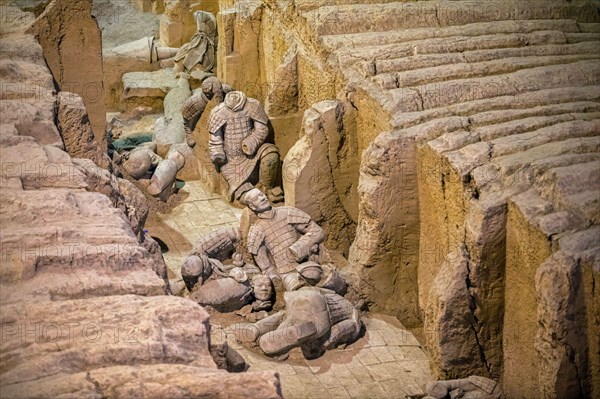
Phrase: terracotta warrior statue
x=225 y=287
x=207 y=256
x=199 y=52
x=238 y=130
x=142 y=163
x=194 y=106
x=314 y=319
x=282 y=239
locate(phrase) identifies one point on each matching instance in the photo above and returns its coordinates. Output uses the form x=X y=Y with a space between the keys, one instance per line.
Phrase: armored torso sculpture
x=238 y=130
x=281 y=239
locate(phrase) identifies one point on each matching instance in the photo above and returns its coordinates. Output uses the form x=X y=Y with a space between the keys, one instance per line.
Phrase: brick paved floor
x=200 y=213
x=387 y=362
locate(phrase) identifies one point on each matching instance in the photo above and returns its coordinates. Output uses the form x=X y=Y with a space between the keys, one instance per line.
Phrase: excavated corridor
x=387 y=361
x=449 y=149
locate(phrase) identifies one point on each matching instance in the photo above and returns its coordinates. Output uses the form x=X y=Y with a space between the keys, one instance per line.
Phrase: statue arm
x=218 y=244
x=255 y=139
x=313 y=234
x=215 y=147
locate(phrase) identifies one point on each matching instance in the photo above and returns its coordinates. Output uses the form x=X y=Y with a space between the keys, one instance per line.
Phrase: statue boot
x=284 y=339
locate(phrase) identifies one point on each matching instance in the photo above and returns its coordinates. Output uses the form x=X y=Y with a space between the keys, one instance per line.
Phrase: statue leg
x=291 y=281
x=165 y=173
x=246 y=332
x=189 y=125
x=166 y=52
x=163 y=177
x=343 y=332
x=284 y=339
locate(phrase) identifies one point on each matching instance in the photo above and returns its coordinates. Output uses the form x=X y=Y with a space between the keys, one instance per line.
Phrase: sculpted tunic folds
x=200 y=50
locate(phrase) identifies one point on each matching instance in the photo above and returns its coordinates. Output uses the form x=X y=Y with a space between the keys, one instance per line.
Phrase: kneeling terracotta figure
x=238 y=148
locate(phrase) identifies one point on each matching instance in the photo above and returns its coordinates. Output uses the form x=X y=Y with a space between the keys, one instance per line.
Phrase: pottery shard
x=76 y=131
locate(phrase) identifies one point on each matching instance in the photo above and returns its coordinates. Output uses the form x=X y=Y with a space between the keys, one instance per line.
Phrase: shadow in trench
x=163 y=246
x=170 y=240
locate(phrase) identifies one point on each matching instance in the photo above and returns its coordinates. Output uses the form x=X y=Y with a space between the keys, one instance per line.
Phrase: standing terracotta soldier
x=238 y=130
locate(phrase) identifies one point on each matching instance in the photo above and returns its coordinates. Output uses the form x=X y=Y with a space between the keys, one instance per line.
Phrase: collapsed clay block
x=76 y=131
x=146 y=89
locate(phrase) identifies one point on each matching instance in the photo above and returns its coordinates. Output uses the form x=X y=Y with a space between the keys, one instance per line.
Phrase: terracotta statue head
x=256 y=200
x=263 y=289
x=211 y=87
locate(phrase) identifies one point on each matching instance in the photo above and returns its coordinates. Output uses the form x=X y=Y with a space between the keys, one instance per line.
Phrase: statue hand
x=218 y=159
x=247 y=147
